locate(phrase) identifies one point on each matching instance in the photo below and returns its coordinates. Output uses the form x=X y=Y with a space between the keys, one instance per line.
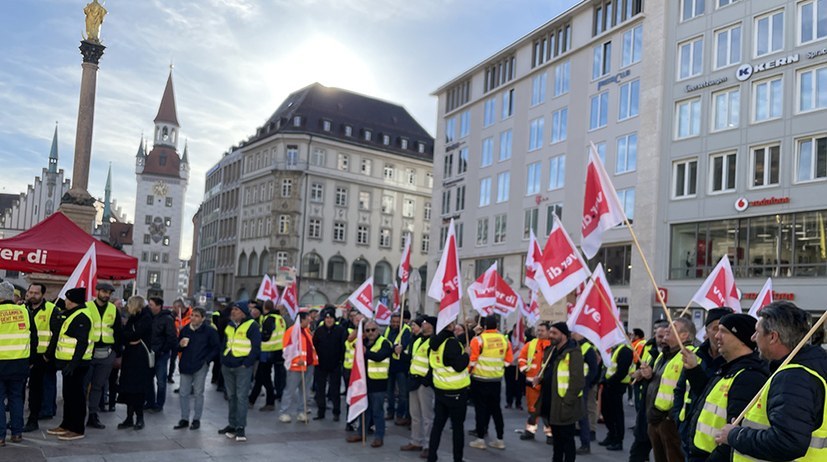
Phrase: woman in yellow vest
x=18 y=344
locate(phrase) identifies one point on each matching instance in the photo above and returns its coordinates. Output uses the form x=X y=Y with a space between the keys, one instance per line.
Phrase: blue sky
x=234 y=62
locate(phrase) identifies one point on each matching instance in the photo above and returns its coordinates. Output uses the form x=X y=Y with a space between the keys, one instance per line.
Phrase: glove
x=68 y=370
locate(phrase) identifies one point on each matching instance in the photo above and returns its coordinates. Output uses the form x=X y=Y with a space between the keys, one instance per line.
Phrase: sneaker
x=57 y=431
x=239 y=434
x=497 y=444
x=181 y=424
x=225 y=430
x=195 y=425
x=583 y=450
x=285 y=418
x=267 y=408
x=302 y=417
x=478 y=443
x=527 y=436
x=70 y=436
x=16 y=438
x=230 y=434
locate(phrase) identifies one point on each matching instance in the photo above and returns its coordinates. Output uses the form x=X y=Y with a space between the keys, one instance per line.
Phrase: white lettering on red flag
x=362 y=298
x=446 y=287
x=602 y=209
x=562 y=268
x=719 y=288
x=595 y=316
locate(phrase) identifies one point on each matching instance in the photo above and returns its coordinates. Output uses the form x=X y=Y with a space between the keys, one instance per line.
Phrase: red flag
x=595 y=315
x=294 y=348
x=85 y=275
x=289 y=300
x=719 y=288
x=383 y=314
x=483 y=291
x=764 y=298
x=562 y=268
x=507 y=301
x=601 y=207
x=533 y=256
x=357 y=389
x=446 y=287
x=362 y=298
x=405 y=266
x=518 y=334
x=531 y=311
x=267 y=290
x=397 y=306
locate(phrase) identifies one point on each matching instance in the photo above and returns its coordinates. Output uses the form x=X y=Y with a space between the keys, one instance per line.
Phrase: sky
x=234 y=61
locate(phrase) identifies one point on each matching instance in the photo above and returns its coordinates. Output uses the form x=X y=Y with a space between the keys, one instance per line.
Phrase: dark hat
x=562 y=327
x=76 y=295
x=243 y=307
x=105 y=286
x=742 y=326
x=328 y=314
x=716 y=314
x=431 y=320
x=418 y=320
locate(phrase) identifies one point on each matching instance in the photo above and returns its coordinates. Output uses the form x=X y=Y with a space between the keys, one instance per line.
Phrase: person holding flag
x=399 y=334
x=242 y=346
x=298 y=355
x=377 y=354
x=490 y=352
x=355 y=317
x=530 y=362
x=449 y=366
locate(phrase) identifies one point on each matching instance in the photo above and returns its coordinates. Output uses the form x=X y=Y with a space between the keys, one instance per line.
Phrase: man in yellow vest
x=490 y=352
x=789 y=421
x=241 y=349
x=726 y=393
x=378 y=351
x=662 y=407
x=420 y=386
x=399 y=334
x=615 y=382
x=591 y=371
x=43 y=375
x=272 y=333
x=106 y=333
x=449 y=366
x=18 y=344
x=72 y=350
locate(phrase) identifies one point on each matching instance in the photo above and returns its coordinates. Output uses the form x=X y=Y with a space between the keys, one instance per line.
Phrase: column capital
x=91 y=52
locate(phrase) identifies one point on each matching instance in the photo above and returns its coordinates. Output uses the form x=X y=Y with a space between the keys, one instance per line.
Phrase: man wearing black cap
x=106 y=334
x=72 y=350
x=242 y=347
x=43 y=375
x=329 y=341
x=420 y=388
x=727 y=392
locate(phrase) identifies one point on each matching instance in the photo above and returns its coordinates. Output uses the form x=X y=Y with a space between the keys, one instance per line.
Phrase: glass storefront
x=617 y=263
x=780 y=246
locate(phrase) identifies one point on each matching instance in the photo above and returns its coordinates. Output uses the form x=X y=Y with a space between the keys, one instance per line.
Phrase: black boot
x=31 y=426
x=139 y=419
x=93 y=422
x=127 y=423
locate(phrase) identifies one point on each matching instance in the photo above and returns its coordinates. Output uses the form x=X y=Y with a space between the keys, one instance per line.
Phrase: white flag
x=85 y=275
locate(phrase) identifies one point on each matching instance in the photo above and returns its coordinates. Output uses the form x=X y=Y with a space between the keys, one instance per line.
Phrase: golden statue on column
x=94 y=18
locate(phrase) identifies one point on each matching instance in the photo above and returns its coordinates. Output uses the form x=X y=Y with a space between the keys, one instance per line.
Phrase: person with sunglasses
x=378 y=351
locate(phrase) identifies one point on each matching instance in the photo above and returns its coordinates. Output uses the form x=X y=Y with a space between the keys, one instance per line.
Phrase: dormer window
x=326 y=125
x=368 y=135
x=348 y=130
x=420 y=148
x=403 y=143
x=386 y=140
x=297 y=121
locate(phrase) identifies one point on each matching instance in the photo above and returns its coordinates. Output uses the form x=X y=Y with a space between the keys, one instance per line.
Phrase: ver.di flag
x=383 y=314
x=446 y=287
x=267 y=290
x=506 y=300
x=294 y=348
x=532 y=257
x=719 y=288
x=602 y=209
x=595 y=315
x=562 y=268
x=404 y=271
x=531 y=311
x=362 y=298
x=289 y=300
x=764 y=298
x=483 y=292
x=85 y=275
x=357 y=389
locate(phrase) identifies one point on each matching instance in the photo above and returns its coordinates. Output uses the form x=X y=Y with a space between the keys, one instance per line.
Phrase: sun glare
x=330 y=62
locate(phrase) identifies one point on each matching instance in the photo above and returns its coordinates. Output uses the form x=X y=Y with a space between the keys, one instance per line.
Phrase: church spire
x=107 y=198
x=53 y=153
x=141 y=152
x=167 y=112
x=185 y=159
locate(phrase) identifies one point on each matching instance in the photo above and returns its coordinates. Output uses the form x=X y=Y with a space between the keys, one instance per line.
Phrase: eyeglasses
x=370 y=330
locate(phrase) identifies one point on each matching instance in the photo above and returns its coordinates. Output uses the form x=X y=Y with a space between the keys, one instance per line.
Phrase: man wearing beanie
x=728 y=391
x=449 y=368
x=18 y=345
x=420 y=388
x=242 y=347
x=490 y=352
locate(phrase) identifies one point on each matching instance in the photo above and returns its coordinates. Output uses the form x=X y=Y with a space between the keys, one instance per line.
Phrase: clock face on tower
x=160 y=188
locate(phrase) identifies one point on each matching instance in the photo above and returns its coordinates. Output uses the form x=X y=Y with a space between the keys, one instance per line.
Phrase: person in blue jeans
x=164 y=343
x=241 y=350
x=198 y=344
x=378 y=351
x=399 y=334
x=19 y=332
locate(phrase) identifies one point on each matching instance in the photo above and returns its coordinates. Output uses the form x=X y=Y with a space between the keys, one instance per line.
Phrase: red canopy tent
x=56 y=245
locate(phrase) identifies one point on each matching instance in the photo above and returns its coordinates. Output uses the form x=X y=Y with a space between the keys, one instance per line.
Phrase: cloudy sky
x=234 y=62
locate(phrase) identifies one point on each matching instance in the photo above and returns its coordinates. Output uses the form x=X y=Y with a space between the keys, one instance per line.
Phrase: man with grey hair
x=788 y=421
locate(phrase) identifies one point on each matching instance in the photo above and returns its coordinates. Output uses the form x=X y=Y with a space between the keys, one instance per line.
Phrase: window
x=448 y=166
x=318 y=157
x=629 y=98
x=410 y=174
x=551 y=44
x=812 y=20
x=691 y=9
x=150 y=199
x=561 y=78
x=464 y=124
x=446 y=202
x=341 y=196
x=348 y=131
x=723 y=3
x=503 y=185
x=685 y=178
x=168 y=202
x=602 y=60
x=726 y=111
x=408 y=207
x=812 y=89
x=728 y=46
x=425 y=247
x=148 y=220
x=767 y=99
x=343 y=162
x=457 y=95
x=490 y=114
x=535 y=134
x=626 y=153
x=427 y=211
x=482 y=231
x=403 y=143
x=499 y=73
x=292 y=156
x=460 y=232
x=765 y=165
x=499 y=228
x=388 y=204
x=559 y=125
x=386 y=140
x=462 y=161
x=627 y=199
x=811 y=161
x=336 y=268
x=533 y=178
x=429 y=179
x=599 y=116
x=153 y=277
x=284 y=224
x=505 y=145
x=155 y=257
x=769 y=33
x=690 y=58
x=286 y=187
x=632 y=46
x=557 y=172
x=281 y=259
x=485 y=192
x=165 y=258
x=144 y=256
x=388 y=172
x=339 y=231
x=450 y=130
x=314 y=228
x=403 y=237
x=551 y=211
x=316 y=192
x=508 y=104
x=364 y=200
x=722 y=172
x=385 y=238
x=165 y=241
x=367 y=166
x=538 y=88
x=530 y=222
x=688 y=118
x=146 y=239
x=460 y=198
x=487 y=154
x=362 y=235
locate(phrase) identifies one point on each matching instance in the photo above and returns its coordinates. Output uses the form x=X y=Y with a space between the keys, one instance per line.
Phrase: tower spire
x=166 y=111
x=53 y=153
x=107 y=208
x=141 y=151
x=185 y=159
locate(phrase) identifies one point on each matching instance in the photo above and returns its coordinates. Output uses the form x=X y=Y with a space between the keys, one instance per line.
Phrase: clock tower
x=162 y=176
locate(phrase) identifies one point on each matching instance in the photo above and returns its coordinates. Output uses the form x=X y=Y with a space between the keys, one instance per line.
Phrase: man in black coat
x=164 y=342
x=329 y=341
x=449 y=403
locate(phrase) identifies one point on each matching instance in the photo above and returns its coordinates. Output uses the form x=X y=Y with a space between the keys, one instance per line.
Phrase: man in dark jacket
x=18 y=338
x=781 y=425
x=726 y=393
x=592 y=377
x=420 y=387
x=43 y=375
x=449 y=369
x=563 y=381
x=164 y=341
x=329 y=341
x=198 y=343
x=378 y=351
x=615 y=382
x=241 y=349
x=399 y=334
x=641 y=446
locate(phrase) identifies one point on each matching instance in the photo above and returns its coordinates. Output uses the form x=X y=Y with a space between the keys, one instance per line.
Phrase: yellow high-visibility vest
x=445 y=377
x=419 y=360
x=103 y=327
x=15 y=332
x=44 y=329
x=713 y=415
x=610 y=371
x=350 y=350
x=491 y=361
x=66 y=344
x=378 y=370
x=238 y=345
x=398 y=339
x=665 y=397
x=276 y=342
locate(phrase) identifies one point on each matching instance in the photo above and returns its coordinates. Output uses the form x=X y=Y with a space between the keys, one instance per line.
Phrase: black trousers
x=331 y=379
x=36 y=375
x=172 y=360
x=448 y=405
x=486 y=396
x=264 y=378
x=641 y=446
x=514 y=386
x=279 y=373
x=74 y=400
x=612 y=409
x=563 y=440
x=113 y=387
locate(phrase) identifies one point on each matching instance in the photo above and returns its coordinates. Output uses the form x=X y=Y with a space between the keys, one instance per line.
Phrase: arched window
x=312 y=266
x=423 y=275
x=264 y=262
x=253 y=264
x=361 y=270
x=242 y=264
x=313 y=298
x=383 y=274
x=337 y=269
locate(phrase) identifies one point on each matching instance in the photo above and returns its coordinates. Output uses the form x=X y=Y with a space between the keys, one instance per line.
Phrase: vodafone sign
x=741 y=204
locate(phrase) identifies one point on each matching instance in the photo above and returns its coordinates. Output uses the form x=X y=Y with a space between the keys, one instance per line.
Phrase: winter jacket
x=454 y=355
x=202 y=347
x=164 y=338
x=329 y=343
x=568 y=409
x=254 y=334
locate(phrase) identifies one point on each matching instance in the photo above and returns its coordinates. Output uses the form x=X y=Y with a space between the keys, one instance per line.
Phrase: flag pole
x=304 y=394
x=685 y=310
x=364 y=437
x=789 y=358
x=618 y=323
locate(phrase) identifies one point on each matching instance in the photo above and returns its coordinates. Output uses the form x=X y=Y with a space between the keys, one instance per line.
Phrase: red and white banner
x=764 y=298
x=531 y=311
x=267 y=289
x=562 y=268
x=602 y=209
x=357 y=389
x=507 y=301
x=518 y=334
x=85 y=275
x=397 y=306
x=362 y=298
x=483 y=292
x=404 y=271
x=295 y=348
x=532 y=257
x=446 y=287
x=595 y=315
x=719 y=288
x=383 y=314
x=289 y=300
